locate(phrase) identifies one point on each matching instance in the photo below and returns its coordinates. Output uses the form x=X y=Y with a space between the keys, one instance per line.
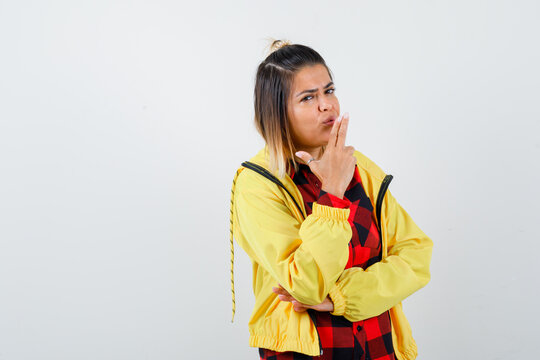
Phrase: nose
x=324 y=104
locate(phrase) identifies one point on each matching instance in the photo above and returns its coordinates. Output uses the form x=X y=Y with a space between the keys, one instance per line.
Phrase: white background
x=123 y=123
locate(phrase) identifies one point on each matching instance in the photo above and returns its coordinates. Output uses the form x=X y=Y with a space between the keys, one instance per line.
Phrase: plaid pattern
x=340 y=338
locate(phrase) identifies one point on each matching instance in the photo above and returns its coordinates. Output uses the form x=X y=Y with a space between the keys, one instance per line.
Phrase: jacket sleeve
x=360 y=294
x=305 y=257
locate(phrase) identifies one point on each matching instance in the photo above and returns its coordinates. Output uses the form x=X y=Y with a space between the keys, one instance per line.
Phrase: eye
x=306 y=98
x=330 y=91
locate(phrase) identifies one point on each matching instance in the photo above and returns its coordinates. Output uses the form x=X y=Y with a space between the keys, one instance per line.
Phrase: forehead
x=311 y=77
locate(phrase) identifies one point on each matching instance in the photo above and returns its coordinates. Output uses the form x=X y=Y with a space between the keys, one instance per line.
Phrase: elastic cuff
x=332 y=200
x=339 y=301
x=330 y=212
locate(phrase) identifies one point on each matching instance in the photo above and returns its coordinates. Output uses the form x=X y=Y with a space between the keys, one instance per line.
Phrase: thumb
x=305 y=156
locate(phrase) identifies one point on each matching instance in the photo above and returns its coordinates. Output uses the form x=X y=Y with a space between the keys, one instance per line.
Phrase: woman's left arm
x=361 y=294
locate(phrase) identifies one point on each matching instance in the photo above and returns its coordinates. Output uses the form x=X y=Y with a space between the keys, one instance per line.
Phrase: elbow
x=423 y=278
x=422 y=271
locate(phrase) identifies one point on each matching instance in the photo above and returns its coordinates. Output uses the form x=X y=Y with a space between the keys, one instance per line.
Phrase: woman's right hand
x=335 y=168
x=283 y=295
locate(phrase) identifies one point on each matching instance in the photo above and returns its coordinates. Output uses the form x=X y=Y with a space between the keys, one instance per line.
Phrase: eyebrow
x=314 y=90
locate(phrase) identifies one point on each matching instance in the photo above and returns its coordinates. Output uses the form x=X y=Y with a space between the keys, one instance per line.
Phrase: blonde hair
x=276 y=44
x=273 y=83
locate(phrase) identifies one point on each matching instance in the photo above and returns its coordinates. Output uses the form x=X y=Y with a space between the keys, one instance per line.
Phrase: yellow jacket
x=308 y=256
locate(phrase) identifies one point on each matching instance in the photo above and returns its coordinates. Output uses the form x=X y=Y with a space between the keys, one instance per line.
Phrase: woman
x=327 y=283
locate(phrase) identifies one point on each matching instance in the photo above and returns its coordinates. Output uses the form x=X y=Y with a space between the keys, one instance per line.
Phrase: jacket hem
x=285 y=344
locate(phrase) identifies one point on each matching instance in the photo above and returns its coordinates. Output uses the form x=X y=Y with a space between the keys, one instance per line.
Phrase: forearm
x=307 y=257
x=360 y=294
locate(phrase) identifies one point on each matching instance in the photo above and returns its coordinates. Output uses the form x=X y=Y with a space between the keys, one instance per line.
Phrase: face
x=312 y=102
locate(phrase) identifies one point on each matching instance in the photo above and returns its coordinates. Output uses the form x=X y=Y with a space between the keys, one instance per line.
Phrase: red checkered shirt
x=340 y=338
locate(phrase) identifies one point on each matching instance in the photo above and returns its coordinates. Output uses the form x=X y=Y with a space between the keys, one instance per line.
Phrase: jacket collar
x=371 y=174
x=262 y=159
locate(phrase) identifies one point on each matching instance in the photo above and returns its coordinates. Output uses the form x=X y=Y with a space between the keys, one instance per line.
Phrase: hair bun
x=277 y=44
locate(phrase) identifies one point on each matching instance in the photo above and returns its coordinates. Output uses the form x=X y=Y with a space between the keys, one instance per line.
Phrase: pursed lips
x=329 y=121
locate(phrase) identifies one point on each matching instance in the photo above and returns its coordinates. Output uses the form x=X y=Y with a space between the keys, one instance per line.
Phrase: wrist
x=334 y=191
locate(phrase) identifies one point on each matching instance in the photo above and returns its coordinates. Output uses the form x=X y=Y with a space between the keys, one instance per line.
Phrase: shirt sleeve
x=361 y=294
x=332 y=200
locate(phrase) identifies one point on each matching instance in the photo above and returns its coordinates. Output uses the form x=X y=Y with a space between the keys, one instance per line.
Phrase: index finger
x=333 y=133
x=342 y=134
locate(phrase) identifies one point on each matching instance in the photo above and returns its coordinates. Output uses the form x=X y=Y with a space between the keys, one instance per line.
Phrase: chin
x=325 y=141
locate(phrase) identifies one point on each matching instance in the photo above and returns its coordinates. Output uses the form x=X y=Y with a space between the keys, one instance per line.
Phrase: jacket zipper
x=380 y=197
x=312 y=316
x=378 y=208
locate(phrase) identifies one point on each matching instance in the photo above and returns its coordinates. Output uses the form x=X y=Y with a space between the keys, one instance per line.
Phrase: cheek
x=305 y=122
x=298 y=119
x=336 y=105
